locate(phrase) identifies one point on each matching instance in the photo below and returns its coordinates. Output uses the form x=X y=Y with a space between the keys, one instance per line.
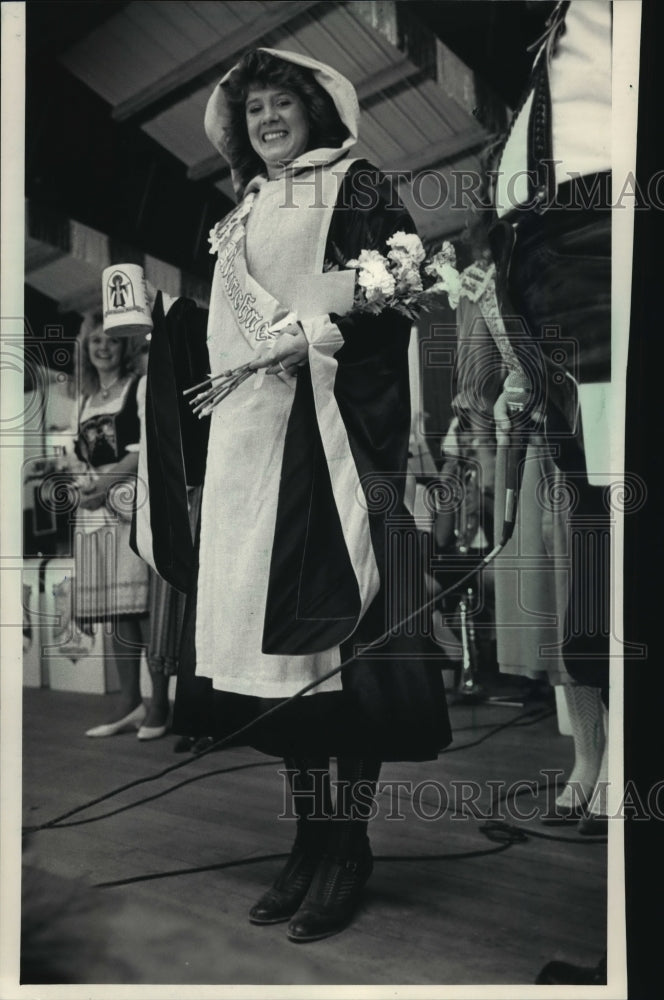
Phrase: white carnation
x=406 y=246
x=373 y=275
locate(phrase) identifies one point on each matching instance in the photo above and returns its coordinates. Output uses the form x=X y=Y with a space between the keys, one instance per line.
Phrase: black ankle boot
x=283 y=899
x=333 y=896
x=309 y=781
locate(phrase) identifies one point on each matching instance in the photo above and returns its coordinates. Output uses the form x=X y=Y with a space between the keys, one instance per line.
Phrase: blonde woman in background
x=111 y=583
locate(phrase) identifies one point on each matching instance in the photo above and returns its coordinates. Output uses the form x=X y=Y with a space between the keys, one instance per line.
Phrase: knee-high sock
x=357 y=780
x=309 y=780
x=584 y=705
x=598 y=802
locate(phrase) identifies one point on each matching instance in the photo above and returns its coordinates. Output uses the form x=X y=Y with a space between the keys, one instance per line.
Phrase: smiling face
x=105 y=353
x=278 y=126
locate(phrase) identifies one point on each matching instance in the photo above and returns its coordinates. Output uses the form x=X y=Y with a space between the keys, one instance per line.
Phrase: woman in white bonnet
x=296 y=564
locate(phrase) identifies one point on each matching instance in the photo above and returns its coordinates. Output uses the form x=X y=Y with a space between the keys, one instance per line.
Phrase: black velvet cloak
x=392 y=704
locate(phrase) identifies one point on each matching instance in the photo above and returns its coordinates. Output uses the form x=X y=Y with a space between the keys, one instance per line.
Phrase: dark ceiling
x=490 y=36
x=115 y=178
x=110 y=176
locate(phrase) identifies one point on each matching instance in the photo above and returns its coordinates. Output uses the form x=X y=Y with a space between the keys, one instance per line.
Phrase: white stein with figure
x=125 y=300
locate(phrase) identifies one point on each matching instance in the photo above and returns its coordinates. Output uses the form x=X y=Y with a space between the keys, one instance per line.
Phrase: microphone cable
x=56 y=824
x=241 y=862
x=501 y=833
x=226 y=740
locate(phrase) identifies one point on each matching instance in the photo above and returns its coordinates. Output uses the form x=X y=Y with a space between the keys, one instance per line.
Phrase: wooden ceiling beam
x=84 y=299
x=211 y=168
x=39 y=255
x=179 y=83
x=436 y=154
x=401 y=71
x=443 y=152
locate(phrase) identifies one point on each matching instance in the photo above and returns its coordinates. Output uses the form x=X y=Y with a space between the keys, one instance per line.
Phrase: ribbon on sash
x=257 y=313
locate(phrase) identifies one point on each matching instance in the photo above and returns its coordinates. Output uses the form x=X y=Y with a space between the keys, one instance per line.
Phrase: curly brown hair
x=261 y=68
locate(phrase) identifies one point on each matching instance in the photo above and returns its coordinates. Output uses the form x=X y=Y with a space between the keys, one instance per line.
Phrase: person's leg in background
x=124 y=647
x=586 y=649
x=156 y=721
x=164 y=634
x=560 y=282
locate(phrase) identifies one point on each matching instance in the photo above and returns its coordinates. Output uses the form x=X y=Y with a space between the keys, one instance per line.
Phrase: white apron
x=284 y=257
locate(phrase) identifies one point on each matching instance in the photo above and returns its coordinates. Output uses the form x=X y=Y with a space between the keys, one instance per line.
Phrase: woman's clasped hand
x=286 y=353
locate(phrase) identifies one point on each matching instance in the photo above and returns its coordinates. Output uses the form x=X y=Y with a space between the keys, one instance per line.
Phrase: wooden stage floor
x=439 y=909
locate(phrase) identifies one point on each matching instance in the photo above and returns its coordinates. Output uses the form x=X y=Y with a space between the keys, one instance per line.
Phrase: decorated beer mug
x=125 y=300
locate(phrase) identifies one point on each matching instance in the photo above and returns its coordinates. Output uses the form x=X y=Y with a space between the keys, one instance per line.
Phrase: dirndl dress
x=110 y=580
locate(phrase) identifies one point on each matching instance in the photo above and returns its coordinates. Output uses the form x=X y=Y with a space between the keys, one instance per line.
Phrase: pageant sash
x=254 y=309
x=257 y=312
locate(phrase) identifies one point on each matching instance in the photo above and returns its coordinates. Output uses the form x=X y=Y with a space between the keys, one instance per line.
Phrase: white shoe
x=151 y=732
x=134 y=719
